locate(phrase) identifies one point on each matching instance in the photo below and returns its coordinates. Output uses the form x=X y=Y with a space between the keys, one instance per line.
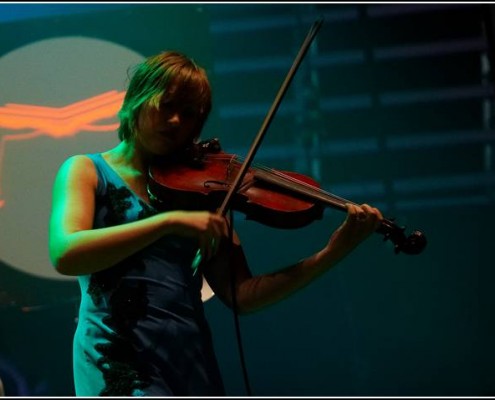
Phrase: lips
x=167 y=136
x=169 y=133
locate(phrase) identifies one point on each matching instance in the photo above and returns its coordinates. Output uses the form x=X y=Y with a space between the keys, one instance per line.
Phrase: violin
x=201 y=177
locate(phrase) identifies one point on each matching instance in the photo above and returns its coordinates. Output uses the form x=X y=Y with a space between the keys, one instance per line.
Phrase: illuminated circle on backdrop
x=59 y=97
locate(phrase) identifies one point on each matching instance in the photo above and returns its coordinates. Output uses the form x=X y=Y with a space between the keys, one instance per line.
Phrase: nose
x=173 y=119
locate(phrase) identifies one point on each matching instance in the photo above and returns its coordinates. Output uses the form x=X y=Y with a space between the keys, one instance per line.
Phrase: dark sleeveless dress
x=141 y=327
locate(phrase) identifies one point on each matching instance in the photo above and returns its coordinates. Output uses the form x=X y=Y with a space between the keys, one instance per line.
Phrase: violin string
x=303 y=187
x=298 y=186
x=388 y=223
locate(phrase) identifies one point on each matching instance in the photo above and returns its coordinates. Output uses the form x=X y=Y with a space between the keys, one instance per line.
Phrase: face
x=169 y=125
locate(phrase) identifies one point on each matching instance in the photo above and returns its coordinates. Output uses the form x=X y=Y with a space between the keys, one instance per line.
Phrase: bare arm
x=256 y=292
x=76 y=248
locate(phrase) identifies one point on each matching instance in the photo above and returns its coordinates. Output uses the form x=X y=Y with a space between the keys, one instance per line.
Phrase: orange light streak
x=58 y=122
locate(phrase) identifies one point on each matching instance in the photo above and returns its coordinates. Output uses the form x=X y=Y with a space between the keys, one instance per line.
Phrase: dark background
x=391 y=106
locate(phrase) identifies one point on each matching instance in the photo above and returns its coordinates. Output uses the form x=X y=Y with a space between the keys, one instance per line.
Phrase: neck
x=127 y=154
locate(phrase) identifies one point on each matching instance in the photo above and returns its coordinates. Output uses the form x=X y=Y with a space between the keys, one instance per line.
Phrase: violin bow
x=222 y=210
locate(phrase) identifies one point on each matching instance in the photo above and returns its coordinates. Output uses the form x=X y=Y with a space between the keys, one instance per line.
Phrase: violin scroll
x=412 y=244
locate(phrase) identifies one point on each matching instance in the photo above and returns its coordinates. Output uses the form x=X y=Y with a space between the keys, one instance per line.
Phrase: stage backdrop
x=392 y=106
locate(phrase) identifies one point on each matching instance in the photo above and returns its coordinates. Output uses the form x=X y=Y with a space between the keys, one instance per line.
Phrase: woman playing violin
x=141 y=327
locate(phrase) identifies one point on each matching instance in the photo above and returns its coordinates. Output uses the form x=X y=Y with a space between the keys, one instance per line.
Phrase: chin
x=159 y=153
x=163 y=148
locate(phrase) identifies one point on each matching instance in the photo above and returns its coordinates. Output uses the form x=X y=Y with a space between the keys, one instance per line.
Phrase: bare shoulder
x=78 y=161
x=77 y=166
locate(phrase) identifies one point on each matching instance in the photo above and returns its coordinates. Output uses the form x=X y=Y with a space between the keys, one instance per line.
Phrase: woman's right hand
x=207 y=227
